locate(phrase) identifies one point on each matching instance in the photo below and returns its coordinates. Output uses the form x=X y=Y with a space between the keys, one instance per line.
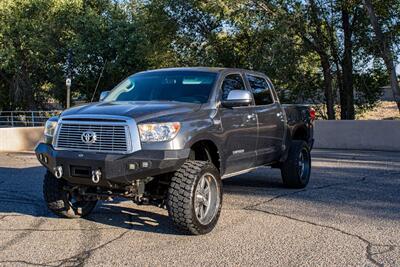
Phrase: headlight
x=49 y=128
x=158 y=132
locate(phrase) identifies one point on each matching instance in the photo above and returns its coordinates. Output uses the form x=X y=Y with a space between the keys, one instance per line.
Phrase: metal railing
x=25 y=118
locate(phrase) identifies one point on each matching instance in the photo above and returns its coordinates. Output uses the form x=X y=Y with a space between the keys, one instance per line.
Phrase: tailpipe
x=96 y=175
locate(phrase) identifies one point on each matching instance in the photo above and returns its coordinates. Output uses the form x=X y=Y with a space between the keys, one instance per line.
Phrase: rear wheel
x=64 y=203
x=296 y=169
x=195 y=197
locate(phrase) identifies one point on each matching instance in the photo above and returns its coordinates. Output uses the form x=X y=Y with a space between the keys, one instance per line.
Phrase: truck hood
x=138 y=110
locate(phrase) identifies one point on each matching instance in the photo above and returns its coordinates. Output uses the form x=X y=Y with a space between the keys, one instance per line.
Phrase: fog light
x=145 y=164
x=132 y=166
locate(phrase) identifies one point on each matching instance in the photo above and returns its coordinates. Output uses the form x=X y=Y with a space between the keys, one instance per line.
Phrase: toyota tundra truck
x=168 y=137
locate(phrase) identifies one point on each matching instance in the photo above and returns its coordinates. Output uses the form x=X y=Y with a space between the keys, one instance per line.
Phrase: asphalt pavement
x=349 y=215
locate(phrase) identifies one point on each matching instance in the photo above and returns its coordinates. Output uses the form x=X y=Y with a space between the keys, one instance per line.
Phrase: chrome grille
x=112 y=138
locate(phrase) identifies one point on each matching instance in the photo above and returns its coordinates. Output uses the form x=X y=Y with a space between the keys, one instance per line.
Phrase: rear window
x=260 y=89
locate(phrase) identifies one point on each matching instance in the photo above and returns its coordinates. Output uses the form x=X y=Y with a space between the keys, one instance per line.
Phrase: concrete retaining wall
x=369 y=135
x=20 y=139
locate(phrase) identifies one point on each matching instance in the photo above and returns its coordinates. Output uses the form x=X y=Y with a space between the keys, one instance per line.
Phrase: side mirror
x=237 y=98
x=103 y=95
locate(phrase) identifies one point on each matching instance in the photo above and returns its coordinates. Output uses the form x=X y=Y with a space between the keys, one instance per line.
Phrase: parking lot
x=349 y=215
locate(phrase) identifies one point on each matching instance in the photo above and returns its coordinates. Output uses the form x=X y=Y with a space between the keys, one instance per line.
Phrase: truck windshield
x=181 y=86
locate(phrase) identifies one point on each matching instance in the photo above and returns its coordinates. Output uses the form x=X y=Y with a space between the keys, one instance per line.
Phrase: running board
x=239 y=172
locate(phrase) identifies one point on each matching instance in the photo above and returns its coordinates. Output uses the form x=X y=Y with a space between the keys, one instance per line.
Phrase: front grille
x=109 y=137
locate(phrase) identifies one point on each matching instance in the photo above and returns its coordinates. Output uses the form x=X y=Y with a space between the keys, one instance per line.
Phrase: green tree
x=36 y=35
x=314 y=51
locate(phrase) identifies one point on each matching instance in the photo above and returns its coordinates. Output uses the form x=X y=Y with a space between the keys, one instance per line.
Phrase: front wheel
x=64 y=203
x=296 y=169
x=195 y=197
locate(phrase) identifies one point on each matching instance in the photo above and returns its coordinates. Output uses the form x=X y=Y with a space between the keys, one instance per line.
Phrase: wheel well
x=205 y=150
x=300 y=134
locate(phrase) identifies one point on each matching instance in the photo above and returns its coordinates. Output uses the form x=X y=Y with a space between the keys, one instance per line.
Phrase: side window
x=232 y=82
x=261 y=90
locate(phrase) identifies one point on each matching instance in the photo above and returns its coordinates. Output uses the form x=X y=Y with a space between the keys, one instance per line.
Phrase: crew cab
x=167 y=137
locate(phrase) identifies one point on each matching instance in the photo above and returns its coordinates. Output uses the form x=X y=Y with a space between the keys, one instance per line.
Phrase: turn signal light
x=43 y=158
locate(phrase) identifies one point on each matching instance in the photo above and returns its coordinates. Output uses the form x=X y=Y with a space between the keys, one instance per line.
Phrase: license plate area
x=81 y=171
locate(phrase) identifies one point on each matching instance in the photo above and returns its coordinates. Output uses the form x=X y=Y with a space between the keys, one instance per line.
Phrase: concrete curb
x=20 y=138
x=359 y=135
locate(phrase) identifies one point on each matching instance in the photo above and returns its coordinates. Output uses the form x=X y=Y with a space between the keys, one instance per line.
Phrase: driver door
x=240 y=129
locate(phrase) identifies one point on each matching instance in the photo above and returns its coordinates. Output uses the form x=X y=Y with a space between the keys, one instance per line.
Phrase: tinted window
x=232 y=82
x=181 y=86
x=261 y=90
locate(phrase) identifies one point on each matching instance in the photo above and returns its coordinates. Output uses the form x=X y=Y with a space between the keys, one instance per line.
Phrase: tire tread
x=289 y=173
x=55 y=197
x=180 y=196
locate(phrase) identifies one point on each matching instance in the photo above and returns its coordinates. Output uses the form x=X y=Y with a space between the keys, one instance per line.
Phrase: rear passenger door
x=240 y=129
x=271 y=124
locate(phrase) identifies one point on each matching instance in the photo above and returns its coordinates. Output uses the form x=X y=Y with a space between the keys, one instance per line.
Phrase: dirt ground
x=386 y=110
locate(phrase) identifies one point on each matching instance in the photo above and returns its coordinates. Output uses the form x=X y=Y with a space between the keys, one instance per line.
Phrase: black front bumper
x=116 y=169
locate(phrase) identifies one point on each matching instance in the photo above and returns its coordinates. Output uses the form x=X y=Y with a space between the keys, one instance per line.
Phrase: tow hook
x=58 y=172
x=96 y=175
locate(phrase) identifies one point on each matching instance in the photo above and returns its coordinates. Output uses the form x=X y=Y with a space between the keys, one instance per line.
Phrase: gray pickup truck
x=167 y=137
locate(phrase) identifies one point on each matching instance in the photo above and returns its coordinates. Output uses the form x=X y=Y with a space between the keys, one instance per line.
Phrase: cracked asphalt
x=349 y=215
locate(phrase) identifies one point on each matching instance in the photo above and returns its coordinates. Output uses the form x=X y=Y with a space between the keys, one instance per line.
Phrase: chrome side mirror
x=103 y=95
x=237 y=98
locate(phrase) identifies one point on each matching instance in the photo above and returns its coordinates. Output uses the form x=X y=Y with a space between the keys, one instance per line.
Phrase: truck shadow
x=367 y=188
x=129 y=216
x=21 y=194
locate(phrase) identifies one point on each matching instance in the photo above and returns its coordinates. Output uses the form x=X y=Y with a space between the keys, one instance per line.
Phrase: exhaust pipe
x=58 y=172
x=96 y=175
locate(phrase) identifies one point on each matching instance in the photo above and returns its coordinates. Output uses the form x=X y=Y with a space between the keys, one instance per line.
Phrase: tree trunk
x=385 y=51
x=321 y=46
x=347 y=94
x=330 y=103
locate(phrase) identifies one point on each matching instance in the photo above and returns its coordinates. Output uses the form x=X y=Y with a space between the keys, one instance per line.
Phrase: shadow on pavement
x=111 y=214
x=369 y=191
x=21 y=194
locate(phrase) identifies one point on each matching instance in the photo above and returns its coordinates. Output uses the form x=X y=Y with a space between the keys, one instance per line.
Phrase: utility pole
x=68 y=81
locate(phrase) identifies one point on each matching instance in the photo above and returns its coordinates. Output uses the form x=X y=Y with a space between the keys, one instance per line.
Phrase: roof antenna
x=98 y=80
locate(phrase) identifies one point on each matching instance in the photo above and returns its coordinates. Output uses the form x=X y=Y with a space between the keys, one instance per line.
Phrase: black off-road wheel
x=195 y=197
x=296 y=169
x=64 y=203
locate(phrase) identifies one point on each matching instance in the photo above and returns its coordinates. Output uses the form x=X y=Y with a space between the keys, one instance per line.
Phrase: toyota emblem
x=89 y=137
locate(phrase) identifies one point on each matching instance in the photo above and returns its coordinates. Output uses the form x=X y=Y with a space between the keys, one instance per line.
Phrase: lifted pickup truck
x=167 y=137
